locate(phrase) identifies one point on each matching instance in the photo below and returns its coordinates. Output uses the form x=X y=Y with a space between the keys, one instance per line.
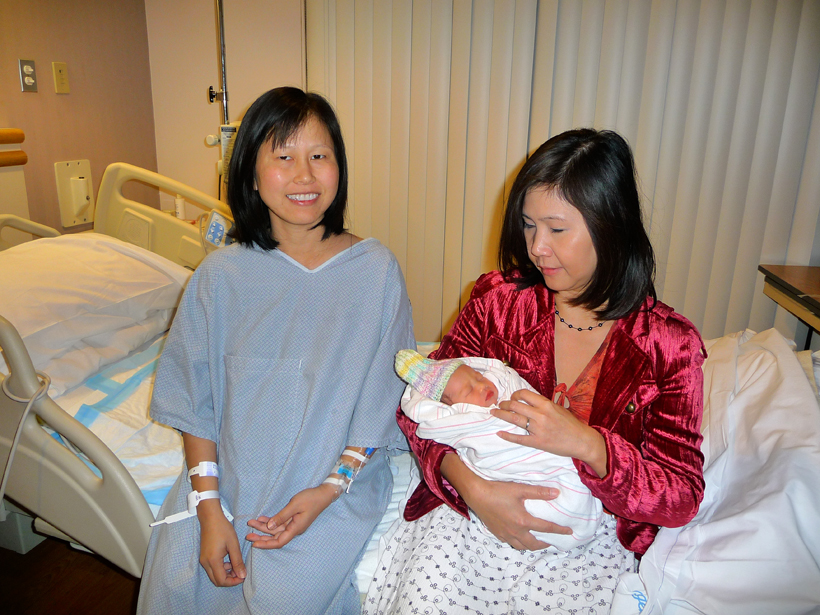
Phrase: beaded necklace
x=600 y=324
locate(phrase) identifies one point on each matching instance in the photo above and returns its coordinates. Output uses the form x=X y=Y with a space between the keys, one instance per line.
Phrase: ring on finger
x=527 y=426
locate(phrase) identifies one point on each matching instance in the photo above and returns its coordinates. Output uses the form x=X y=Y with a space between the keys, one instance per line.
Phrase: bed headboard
x=147 y=227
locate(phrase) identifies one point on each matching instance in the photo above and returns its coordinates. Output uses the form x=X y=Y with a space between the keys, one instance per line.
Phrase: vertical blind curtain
x=441 y=101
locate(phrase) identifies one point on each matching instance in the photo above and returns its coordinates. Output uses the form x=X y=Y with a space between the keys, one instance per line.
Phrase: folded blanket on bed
x=83 y=301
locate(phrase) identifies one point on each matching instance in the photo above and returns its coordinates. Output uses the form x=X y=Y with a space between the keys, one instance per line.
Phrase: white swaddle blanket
x=472 y=431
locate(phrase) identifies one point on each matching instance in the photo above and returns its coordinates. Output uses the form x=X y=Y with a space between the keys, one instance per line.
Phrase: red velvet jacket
x=648 y=405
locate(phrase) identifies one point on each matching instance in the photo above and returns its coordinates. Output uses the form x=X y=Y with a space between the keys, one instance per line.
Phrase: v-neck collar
x=597 y=357
x=332 y=259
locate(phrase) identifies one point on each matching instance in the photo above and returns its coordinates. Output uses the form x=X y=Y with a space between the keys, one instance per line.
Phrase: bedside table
x=795 y=288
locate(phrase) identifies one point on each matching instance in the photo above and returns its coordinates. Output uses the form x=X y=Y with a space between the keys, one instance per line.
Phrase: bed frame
x=109 y=515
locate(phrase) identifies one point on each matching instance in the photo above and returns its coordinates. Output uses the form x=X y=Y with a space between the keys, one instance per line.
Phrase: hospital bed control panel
x=217 y=228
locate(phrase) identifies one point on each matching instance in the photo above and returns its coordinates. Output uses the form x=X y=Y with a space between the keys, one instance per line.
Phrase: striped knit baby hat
x=427 y=376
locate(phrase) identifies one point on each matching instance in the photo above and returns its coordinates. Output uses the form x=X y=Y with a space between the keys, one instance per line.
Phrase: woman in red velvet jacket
x=620 y=374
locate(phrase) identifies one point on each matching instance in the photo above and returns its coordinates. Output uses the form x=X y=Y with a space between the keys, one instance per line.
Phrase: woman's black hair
x=594 y=172
x=270 y=122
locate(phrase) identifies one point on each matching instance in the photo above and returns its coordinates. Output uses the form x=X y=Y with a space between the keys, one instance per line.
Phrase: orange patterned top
x=578 y=398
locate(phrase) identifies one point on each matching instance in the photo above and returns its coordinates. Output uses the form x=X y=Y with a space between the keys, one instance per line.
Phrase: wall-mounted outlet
x=75 y=192
x=28 y=76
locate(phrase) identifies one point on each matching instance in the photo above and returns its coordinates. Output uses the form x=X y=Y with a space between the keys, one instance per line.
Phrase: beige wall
x=264 y=48
x=108 y=115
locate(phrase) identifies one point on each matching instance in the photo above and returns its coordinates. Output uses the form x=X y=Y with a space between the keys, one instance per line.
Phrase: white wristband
x=349 y=453
x=194 y=498
x=204 y=468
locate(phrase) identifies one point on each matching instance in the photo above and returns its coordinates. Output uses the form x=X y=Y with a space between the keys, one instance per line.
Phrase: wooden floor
x=53 y=578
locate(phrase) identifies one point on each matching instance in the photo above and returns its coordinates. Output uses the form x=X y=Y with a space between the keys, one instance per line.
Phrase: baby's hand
x=293 y=520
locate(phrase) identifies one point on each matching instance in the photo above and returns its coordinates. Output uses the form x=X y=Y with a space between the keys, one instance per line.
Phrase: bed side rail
x=27 y=226
x=146 y=226
x=108 y=515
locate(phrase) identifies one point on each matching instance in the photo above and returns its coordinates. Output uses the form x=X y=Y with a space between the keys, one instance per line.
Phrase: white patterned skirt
x=444 y=563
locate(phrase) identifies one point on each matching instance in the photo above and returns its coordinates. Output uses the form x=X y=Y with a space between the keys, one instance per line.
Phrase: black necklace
x=600 y=324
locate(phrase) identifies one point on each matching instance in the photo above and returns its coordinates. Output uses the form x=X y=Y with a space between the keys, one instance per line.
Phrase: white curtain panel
x=441 y=101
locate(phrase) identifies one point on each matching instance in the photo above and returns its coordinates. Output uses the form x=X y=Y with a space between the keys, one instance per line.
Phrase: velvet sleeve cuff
x=639 y=489
x=433 y=490
x=597 y=485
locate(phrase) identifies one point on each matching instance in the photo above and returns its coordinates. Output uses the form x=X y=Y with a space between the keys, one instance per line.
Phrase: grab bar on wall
x=12 y=158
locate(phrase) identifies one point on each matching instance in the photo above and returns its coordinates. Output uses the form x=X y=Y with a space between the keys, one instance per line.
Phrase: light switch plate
x=28 y=76
x=60 y=70
x=76 y=203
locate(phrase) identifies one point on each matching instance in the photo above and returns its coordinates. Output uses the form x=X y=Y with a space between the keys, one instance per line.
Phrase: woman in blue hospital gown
x=280 y=359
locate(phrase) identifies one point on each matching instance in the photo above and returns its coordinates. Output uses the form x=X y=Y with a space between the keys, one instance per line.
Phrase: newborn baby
x=449 y=398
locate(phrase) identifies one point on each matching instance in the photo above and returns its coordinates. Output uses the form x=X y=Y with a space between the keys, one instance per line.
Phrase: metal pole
x=221 y=28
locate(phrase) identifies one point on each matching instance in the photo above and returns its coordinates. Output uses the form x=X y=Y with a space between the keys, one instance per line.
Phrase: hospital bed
x=753 y=548
x=90 y=500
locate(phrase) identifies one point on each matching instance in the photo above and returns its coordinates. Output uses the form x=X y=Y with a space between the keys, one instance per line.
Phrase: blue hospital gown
x=282 y=367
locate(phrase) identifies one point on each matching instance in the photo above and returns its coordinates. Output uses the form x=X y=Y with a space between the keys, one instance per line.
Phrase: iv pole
x=228 y=130
x=216 y=232
x=222 y=95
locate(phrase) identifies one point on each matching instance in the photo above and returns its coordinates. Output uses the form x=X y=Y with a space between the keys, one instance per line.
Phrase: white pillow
x=719 y=380
x=82 y=301
x=753 y=547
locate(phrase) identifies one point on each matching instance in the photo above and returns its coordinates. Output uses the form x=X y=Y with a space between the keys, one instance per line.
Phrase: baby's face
x=467 y=386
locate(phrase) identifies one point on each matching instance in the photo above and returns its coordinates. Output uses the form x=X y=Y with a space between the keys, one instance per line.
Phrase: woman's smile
x=304 y=199
x=548 y=271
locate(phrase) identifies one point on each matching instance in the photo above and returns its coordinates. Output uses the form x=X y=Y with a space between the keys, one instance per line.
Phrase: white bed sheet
x=754 y=546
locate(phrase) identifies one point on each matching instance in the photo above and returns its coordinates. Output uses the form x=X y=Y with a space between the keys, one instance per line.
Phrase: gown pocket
x=263 y=414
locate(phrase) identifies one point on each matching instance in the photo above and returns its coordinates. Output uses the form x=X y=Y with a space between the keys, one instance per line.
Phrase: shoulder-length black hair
x=594 y=172
x=270 y=122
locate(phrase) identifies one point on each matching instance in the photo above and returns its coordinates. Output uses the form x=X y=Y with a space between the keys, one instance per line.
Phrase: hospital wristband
x=204 y=468
x=194 y=498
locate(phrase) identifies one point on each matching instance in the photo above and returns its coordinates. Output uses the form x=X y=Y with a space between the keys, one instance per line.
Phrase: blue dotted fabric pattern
x=283 y=367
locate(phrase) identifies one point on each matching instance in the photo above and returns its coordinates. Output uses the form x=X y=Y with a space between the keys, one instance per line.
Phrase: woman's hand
x=217 y=536
x=218 y=539
x=500 y=505
x=552 y=428
x=293 y=520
